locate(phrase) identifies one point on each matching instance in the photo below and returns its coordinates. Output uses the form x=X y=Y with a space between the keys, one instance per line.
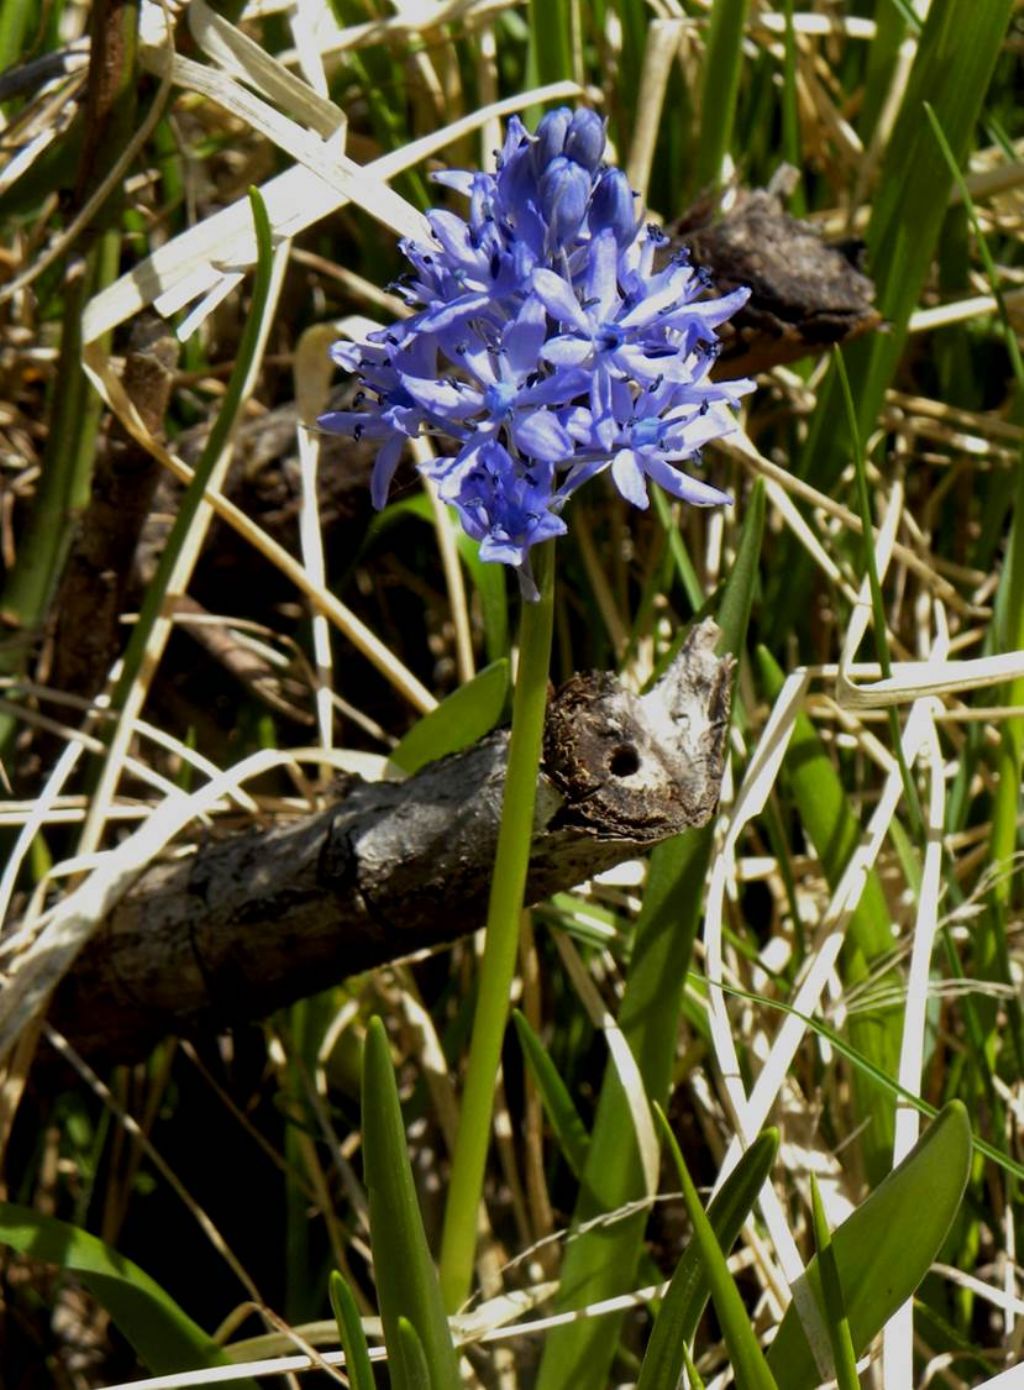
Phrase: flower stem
x=458 y=1243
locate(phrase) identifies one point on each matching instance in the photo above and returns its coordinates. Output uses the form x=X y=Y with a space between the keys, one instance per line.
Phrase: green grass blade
x=884 y=1249
x=915 y=182
x=164 y=1337
x=891 y=21
x=600 y=1263
x=407 y=1285
x=358 y=1366
x=733 y=614
x=832 y=1306
x=722 y=63
x=681 y=561
x=692 y=1374
x=745 y=1354
x=549 y=55
x=570 y=1131
x=687 y=1295
x=465 y=716
x=410 y=1369
x=907 y=216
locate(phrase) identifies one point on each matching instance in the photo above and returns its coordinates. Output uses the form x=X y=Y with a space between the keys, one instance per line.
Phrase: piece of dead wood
x=805 y=295
x=251 y=923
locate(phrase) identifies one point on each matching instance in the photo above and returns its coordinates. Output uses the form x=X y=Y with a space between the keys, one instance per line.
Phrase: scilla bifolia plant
x=547 y=345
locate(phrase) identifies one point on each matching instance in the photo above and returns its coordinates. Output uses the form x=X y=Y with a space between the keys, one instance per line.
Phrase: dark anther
x=357 y=433
x=624 y=761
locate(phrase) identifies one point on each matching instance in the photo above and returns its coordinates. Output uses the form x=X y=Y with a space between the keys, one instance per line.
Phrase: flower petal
x=384 y=466
x=601 y=284
x=567 y=350
x=541 y=435
x=559 y=300
x=628 y=474
x=681 y=485
x=449 y=399
x=523 y=338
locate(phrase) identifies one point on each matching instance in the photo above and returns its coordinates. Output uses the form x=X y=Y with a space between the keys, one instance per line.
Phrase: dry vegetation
x=864 y=867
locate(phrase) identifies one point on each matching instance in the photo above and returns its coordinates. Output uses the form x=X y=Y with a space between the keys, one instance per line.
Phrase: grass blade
x=832 y=1297
x=465 y=716
x=407 y=1285
x=745 y=1355
x=570 y=1131
x=884 y=1249
x=165 y=1338
x=687 y=1295
x=722 y=63
x=358 y=1366
x=907 y=216
x=409 y=1367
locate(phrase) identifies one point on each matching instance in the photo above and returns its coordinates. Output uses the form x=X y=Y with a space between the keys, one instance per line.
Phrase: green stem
x=458 y=1243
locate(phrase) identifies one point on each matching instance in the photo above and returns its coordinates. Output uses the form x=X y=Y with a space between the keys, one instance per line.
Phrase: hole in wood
x=624 y=761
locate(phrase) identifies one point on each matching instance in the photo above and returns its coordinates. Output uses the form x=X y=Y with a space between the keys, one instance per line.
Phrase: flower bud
x=551 y=133
x=584 y=140
x=564 y=192
x=613 y=206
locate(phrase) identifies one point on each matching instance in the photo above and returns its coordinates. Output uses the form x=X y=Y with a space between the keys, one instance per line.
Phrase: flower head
x=544 y=347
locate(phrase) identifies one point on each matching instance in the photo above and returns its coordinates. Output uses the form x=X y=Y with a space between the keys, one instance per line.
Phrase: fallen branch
x=253 y=922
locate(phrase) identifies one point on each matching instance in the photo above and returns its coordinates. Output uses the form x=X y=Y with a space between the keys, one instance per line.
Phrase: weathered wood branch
x=260 y=919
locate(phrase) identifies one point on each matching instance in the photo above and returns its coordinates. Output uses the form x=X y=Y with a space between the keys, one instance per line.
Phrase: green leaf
x=745 y=1354
x=164 y=1337
x=465 y=716
x=407 y=1284
x=358 y=1367
x=733 y=614
x=885 y=1248
x=722 y=63
x=956 y=54
x=570 y=1130
x=407 y=1359
x=490 y=581
x=601 y=1262
x=832 y=1306
x=687 y=1295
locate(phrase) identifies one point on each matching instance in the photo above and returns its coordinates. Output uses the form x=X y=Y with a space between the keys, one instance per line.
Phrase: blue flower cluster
x=545 y=346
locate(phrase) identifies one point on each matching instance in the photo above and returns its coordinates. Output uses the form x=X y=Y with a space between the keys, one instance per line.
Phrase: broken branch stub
x=255 y=921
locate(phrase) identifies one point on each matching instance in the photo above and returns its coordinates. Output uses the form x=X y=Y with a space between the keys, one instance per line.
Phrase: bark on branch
x=256 y=921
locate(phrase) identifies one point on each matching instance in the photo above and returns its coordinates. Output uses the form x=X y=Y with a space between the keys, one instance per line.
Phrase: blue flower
x=546 y=345
x=508 y=509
